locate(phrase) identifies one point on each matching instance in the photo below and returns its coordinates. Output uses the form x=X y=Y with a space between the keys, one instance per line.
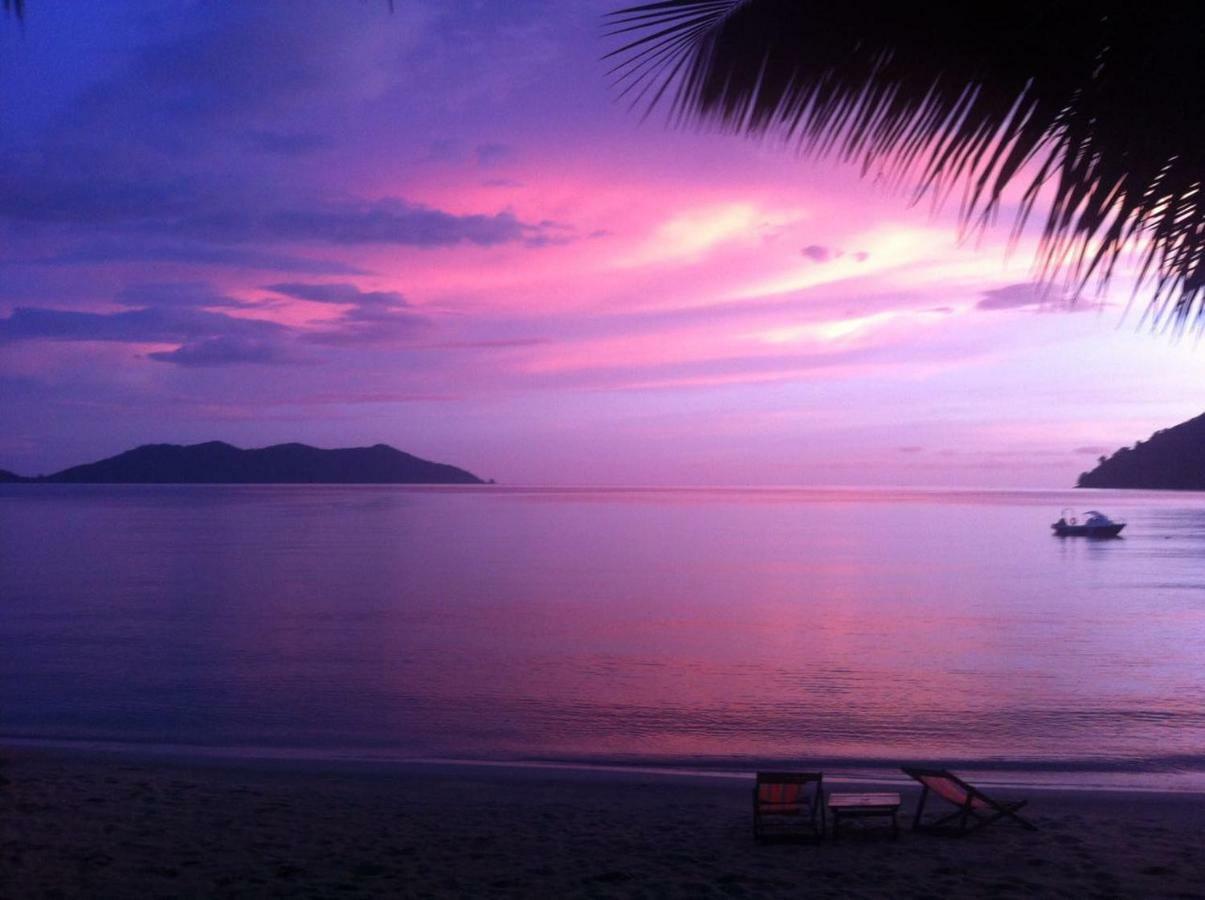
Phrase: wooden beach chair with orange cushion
x=975 y=809
x=788 y=805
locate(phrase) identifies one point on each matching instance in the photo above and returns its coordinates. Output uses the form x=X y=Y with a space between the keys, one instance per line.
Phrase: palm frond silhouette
x=1091 y=110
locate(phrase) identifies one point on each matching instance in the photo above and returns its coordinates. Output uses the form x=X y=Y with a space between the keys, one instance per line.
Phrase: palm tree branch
x=1093 y=109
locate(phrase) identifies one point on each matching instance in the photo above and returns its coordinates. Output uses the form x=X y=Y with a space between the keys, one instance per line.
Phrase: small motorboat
x=1092 y=524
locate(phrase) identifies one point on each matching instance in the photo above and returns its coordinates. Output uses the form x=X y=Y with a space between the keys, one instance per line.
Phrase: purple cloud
x=387 y=221
x=371 y=316
x=397 y=222
x=366 y=325
x=176 y=313
x=136 y=249
x=819 y=253
x=1027 y=294
x=225 y=350
x=181 y=212
x=340 y=292
x=133 y=326
x=495 y=344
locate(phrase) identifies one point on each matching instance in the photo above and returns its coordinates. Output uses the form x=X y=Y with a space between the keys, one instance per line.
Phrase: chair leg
x=1001 y=812
x=1009 y=811
x=1012 y=813
x=968 y=814
x=920 y=807
x=938 y=823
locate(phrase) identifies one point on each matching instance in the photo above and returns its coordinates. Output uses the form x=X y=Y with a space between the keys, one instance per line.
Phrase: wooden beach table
x=864 y=806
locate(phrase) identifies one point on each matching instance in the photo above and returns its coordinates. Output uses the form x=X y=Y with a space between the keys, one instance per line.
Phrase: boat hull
x=1089 y=531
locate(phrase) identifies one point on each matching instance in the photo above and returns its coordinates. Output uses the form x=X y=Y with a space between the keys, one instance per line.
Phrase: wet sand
x=74 y=824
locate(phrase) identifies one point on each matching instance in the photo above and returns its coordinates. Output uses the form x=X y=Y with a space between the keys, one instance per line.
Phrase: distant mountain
x=1170 y=460
x=9 y=476
x=219 y=463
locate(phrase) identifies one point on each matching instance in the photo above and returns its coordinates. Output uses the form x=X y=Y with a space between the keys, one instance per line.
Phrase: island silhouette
x=1169 y=460
x=216 y=462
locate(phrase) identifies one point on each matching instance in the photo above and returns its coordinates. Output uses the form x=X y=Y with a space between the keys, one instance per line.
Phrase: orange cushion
x=780 y=793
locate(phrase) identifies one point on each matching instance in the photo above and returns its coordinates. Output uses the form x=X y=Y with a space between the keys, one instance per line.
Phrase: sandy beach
x=76 y=824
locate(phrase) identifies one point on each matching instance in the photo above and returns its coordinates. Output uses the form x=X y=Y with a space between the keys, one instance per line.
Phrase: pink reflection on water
x=709 y=626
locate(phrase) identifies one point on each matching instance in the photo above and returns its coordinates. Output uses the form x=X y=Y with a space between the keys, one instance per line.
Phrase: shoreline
x=87 y=824
x=1052 y=775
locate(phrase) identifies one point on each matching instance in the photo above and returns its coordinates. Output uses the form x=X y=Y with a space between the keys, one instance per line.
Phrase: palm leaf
x=1093 y=110
x=16 y=7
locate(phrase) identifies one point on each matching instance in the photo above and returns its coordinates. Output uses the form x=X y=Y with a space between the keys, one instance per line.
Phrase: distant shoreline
x=1047 y=775
x=851 y=493
x=47 y=482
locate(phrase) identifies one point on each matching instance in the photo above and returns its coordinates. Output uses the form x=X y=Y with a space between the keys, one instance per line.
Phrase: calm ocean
x=850 y=629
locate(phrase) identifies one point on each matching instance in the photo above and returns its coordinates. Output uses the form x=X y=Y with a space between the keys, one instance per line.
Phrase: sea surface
x=722 y=629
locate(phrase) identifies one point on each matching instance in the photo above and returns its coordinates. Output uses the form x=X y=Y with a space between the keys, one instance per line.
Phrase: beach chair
x=975 y=809
x=788 y=806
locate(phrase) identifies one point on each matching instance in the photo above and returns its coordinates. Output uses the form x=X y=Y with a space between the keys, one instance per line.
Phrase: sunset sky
x=437 y=228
